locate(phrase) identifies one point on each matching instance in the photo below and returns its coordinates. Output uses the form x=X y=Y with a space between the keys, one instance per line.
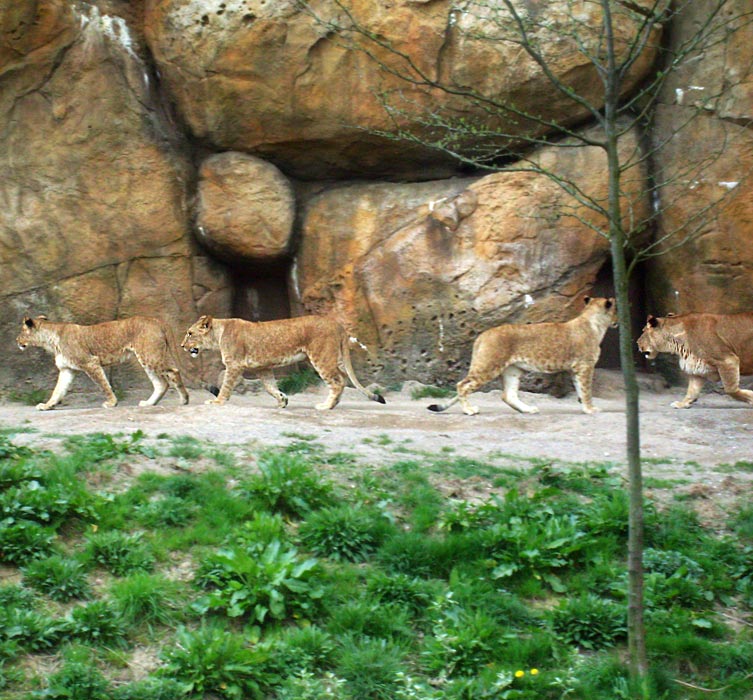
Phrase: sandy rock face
x=245 y=209
x=94 y=221
x=294 y=85
x=707 y=166
x=417 y=271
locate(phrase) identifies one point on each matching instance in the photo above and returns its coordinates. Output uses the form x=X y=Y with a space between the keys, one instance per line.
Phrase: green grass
x=299 y=573
x=298 y=381
x=432 y=392
x=30 y=397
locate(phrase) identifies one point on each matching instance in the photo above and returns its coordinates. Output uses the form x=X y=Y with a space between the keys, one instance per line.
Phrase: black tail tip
x=435 y=407
x=379 y=398
x=214 y=390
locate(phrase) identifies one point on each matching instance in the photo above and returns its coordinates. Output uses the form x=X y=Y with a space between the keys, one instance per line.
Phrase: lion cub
x=265 y=345
x=511 y=350
x=90 y=348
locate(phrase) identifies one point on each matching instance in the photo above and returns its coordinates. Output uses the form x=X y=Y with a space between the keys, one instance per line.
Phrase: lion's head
x=653 y=340
x=29 y=335
x=199 y=336
x=603 y=307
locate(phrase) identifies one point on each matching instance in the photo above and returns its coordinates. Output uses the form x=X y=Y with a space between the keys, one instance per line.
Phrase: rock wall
x=234 y=157
x=417 y=271
x=94 y=223
x=706 y=118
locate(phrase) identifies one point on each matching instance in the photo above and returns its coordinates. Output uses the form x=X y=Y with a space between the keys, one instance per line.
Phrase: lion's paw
x=44 y=407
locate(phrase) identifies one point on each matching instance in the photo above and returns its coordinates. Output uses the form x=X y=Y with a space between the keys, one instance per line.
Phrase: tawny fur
x=511 y=350
x=268 y=344
x=710 y=347
x=89 y=349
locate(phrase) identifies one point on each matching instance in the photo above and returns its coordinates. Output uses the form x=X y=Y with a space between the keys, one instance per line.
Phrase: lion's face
x=29 y=332
x=651 y=342
x=610 y=308
x=604 y=307
x=198 y=336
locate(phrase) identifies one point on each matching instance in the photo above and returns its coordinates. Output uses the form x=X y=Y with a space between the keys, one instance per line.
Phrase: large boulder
x=417 y=271
x=245 y=208
x=300 y=85
x=94 y=223
x=705 y=160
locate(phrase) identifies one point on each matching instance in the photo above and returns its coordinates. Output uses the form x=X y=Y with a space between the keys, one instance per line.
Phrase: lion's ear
x=609 y=303
x=586 y=300
x=652 y=321
x=205 y=322
x=28 y=322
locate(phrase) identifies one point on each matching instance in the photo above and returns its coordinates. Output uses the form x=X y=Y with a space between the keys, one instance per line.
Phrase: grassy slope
x=172 y=568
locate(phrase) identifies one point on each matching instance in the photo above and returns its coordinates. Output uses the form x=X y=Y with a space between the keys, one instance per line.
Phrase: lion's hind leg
x=511 y=383
x=583 y=376
x=160 y=384
x=465 y=388
x=334 y=380
x=729 y=371
x=176 y=382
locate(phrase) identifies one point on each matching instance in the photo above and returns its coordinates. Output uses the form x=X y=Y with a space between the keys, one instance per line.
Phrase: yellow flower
x=519 y=674
x=534 y=672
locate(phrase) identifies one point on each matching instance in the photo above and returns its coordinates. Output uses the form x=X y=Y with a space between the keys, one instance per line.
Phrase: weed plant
x=213 y=661
x=97 y=623
x=147 y=599
x=118 y=552
x=59 y=577
x=287 y=485
x=186 y=448
x=150 y=689
x=275 y=582
x=81 y=680
x=344 y=533
x=28 y=629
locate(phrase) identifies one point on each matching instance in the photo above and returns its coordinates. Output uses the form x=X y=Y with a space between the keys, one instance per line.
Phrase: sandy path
x=715 y=431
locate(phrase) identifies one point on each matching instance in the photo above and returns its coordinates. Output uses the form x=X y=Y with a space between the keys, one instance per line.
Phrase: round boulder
x=246 y=208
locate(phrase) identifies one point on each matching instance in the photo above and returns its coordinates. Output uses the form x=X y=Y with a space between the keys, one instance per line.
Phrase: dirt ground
x=716 y=431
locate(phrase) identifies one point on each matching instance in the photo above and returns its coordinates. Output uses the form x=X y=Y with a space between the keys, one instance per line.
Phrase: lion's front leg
x=65 y=377
x=232 y=375
x=270 y=385
x=695 y=384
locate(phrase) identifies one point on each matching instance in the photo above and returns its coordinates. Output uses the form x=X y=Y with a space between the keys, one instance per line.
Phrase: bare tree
x=631 y=60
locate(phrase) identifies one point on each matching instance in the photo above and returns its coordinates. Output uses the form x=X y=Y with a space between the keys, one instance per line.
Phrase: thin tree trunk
x=636 y=627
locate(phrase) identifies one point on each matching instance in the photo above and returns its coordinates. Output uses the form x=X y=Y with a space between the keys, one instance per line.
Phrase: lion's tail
x=345 y=341
x=439 y=407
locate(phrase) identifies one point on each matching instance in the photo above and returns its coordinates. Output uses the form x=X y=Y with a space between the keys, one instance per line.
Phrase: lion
x=90 y=348
x=710 y=347
x=511 y=350
x=264 y=345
